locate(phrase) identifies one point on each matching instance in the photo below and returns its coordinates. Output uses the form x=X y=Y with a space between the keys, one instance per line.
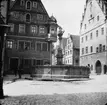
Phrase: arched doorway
x=98 y=67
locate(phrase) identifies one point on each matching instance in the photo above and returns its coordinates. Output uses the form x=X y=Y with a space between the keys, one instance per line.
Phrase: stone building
x=72 y=50
x=30 y=37
x=93 y=36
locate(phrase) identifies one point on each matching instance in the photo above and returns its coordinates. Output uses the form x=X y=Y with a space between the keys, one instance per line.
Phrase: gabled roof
x=12 y=4
x=76 y=41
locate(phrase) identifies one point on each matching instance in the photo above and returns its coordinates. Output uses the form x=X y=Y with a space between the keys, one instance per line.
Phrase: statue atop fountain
x=59 y=55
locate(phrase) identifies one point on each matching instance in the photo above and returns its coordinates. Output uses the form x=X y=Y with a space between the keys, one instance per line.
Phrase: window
x=41 y=30
x=28 y=5
x=35 y=4
x=34 y=29
x=39 y=17
x=33 y=45
x=28 y=17
x=11 y=27
x=10 y=44
x=39 y=62
x=86 y=37
x=91 y=48
x=85 y=26
x=102 y=31
x=103 y=47
x=68 y=60
x=100 y=47
x=39 y=46
x=66 y=53
x=21 y=28
x=21 y=45
x=97 y=18
x=44 y=46
x=82 y=51
x=96 y=49
x=96 y=33
x=22 y=2
x=91 y=16
x=70 y=51
x=15 y=44
x=82 y=40
x=53 y=30
x=68 y=41
x=27 y=45
x=34 y=61
x=27 y=62
x=91 y=36
x=86 y=50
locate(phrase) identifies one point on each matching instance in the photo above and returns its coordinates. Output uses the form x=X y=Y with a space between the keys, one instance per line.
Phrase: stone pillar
x=93 y=72
x=102 y=69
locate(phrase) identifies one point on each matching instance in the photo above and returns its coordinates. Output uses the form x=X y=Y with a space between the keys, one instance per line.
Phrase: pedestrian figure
x=20 y=70
x=15 y=72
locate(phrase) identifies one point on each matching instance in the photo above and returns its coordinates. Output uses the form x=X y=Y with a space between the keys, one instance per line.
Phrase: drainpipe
x=106 y=44
x=106 y=31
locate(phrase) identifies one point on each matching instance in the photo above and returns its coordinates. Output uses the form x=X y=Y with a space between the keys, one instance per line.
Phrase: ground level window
x=34 y=62
x=21 y=45
x=27 y=45
x=39 y=62
x=9 y=44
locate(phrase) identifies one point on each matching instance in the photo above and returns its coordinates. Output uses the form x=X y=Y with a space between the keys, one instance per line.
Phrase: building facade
x=72 y=50
x=29 y=40
x=93 y=36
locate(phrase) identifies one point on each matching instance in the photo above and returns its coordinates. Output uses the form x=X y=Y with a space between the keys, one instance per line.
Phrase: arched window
x=28 y=17
x=28 y=5
x=100 y=47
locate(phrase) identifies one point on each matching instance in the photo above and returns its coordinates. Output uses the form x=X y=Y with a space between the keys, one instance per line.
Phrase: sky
x=67 y=12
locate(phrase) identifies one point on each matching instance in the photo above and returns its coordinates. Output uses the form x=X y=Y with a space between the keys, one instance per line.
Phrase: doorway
x=105 y=69
x=13 y=64
x=98 y=67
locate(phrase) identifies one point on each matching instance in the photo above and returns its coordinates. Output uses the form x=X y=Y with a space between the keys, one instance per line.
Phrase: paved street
x=32 y=92
x=32 y=87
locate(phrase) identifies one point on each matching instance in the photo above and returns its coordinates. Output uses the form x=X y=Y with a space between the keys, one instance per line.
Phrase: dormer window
x=22 y=2
x=34 y=4
x=28 y=17
x=39 y=17
x=28 y=5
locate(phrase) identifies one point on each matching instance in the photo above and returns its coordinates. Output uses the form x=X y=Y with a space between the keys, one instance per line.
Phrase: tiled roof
x=76 y=40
